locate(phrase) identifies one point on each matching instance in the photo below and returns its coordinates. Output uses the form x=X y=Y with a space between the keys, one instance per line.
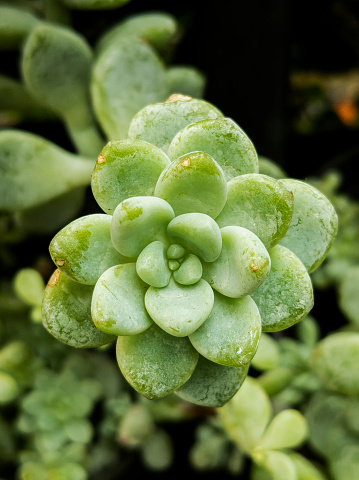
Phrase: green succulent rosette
x=185 y=267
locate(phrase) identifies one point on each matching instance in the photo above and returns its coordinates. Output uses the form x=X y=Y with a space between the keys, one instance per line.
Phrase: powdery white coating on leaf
x=66 y=313
x=159 y=123
x=221 y=138
x=260 y=204
x=212 y=384
x=286 y=296
x=314 y=224
x=231 y=334
x=154 y=362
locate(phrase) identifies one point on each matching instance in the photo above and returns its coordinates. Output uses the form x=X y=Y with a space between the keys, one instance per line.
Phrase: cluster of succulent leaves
x=196 y=254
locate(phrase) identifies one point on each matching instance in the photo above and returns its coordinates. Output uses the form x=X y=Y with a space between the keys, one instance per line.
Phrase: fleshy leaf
x=259 y=203
x=156 y=28
x=56 y=65
x=94 y=4
x=269 y=167
x=127 y=75
x=221 y=138
x=230 y=335
x=66 y=313
x=35 y=170
x=83 y=249
x=288 y=429
x=180 y=309
x=267 y=355
x=211 y=384
x=190 y=270
x=346 y=465
x=287 y=294
x=334 y=361
x=246 y=416
x=198 y=233
x=152 y=266
x=186 y=80
x=154 y=362
x=273 y=465
x=126 y=169
x=29 y=286
x=138 y=221
x=242 y=266
x=305 y=469
x=15 y=24
x=348 y=298
x=314 y=224
x=118 y=306
x=193 y=183
x=171 y=116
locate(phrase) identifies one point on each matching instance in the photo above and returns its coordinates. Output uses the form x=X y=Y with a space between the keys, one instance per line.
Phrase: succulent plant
x=196 y=254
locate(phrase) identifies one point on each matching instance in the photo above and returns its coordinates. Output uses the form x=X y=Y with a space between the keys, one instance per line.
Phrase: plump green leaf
x=29 y=286
x=193 y=183
x=260 y=204
x=189 y=271
x=273 y=465
x=152 y=265
x=221 y=138
x=243 y=265
x=305 y=469
x=125 y=169
x=335 y=362
x=348 y=298
x=314 y=224
x=230 y=335
x=246 y=416
x=186 y=81
x=158 y=123
x=287 y=294
x=9 y=388
x=198 y=233
x=118 y=306
x=154 y=362
x=288 y=429
x=52 y=215
x=212 y=384
x=270 y=167
x=346 y=465
x=66 y=313
x=139 y=221
x=156 y=28
x=56 y=64
x=15 y=24
x=267 y=355
x=180 y=309
x=127 y=75
x=35 y=170
x=83 y=249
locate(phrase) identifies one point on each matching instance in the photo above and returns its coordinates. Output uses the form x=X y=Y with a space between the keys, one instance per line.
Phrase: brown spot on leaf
x=253 y=267
x=178 y=97
x=101 y=159
x=54 y=278
x=60 y=262
x=186 y=162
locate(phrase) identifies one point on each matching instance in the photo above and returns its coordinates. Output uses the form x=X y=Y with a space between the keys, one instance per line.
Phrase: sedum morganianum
x=196 y=254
